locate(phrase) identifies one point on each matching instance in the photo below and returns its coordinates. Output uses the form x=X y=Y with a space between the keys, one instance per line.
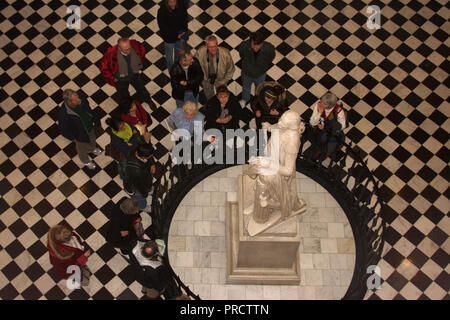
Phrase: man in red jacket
x=66 y=249
x=122 y=65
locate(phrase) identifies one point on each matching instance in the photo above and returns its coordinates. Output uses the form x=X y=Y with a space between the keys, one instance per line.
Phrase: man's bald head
x=124 y=45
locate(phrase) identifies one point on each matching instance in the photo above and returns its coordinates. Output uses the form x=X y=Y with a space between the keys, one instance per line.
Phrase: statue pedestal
x=271 y=256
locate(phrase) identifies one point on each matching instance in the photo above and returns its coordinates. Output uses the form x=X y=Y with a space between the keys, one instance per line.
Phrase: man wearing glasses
x=217 y=66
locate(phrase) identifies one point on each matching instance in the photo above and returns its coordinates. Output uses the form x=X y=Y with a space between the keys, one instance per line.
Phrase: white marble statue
x=275 y=197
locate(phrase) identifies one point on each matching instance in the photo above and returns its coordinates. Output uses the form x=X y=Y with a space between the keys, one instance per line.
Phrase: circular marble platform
x=197 y=249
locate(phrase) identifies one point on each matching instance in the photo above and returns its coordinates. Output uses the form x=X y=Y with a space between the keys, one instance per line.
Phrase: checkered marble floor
x=393 y=81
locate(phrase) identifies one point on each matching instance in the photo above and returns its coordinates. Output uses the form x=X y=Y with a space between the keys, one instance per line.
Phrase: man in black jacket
x=223 y=111
x=151 y=271
x=186 y=76
x=140 y=170
x=172 y=21
x=257 y=57
x=125 y=225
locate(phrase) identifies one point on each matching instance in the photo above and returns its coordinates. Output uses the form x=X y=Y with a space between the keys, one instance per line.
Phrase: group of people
x=68 y=253
x=210 y=68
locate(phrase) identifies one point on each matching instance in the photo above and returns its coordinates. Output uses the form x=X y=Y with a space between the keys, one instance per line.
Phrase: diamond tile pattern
x=393 y=81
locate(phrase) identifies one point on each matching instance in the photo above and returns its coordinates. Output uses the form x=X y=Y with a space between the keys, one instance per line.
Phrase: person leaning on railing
x=269 y=103
x=151 y=271
x=328 y=120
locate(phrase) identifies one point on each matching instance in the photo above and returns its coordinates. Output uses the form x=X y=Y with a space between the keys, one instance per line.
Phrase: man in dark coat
x=222 y=111
x=76 y=122
x=125 y=225
x=186 y=76
x=152 y=272
x=172 y=21
x=257 y=56
x=140 y=170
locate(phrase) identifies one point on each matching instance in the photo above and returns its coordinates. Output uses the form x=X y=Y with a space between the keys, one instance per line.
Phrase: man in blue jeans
x=257 y=57
x=186 y=76
x=141 y=168
x=172 y=21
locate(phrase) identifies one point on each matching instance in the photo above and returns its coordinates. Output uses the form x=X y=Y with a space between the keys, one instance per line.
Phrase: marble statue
x=275 y=196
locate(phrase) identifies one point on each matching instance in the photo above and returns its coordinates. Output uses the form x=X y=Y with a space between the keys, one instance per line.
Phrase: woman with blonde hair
x=66 y=249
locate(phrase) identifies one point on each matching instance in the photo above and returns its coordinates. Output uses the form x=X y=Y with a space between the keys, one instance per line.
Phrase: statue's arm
x=289 y=164
x=268 y=126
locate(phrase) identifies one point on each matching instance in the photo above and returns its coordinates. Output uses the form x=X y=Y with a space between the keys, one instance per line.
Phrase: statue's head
x=291 y=120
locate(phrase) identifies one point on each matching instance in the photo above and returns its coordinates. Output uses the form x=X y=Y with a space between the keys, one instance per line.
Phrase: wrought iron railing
x=344 y=174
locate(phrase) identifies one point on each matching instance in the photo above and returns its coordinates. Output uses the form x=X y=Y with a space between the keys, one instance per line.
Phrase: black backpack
x=122 y=167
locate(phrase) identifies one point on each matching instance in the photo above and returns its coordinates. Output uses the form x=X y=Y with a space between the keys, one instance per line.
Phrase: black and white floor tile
x=393 y=81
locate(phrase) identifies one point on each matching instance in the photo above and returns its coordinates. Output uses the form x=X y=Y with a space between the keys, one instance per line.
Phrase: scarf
x=124 y=134
x=135 y=63
x=85 y=117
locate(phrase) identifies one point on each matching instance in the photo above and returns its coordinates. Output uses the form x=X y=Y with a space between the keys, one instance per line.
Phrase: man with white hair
x=329 y=119
x=189 y=118
x=76 y=122
x=217 y=65
x=122 y=65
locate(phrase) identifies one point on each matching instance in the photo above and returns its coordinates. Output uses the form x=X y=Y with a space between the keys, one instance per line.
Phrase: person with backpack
x=125 y=225
x=328 y=120
x=137 y=172
x=152 y=272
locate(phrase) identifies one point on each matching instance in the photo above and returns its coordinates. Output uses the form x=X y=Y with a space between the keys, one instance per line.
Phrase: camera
x=212 y=78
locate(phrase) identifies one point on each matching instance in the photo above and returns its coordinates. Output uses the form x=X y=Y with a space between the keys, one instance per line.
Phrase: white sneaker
x=97 y=151
x=90 y=165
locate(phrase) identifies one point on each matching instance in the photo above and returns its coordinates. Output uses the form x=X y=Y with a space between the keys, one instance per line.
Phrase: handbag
x=113 y=153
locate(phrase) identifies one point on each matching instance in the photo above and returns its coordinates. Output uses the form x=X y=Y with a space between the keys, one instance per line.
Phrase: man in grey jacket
x=257 y=57
x=217 y=65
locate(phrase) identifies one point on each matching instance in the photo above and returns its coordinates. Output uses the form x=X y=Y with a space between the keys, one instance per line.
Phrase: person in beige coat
x=217 y=65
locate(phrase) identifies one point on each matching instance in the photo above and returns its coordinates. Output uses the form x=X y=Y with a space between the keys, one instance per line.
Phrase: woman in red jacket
x=133 y=113
x=66 y=249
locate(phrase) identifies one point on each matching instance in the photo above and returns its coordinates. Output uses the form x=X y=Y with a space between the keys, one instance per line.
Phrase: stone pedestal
x=270 y=257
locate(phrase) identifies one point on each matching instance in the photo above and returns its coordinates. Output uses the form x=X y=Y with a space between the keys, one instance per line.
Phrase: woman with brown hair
x=66 y=249
x=223 y=111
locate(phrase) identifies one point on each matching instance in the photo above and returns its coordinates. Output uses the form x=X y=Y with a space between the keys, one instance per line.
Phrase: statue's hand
x=262 y=162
